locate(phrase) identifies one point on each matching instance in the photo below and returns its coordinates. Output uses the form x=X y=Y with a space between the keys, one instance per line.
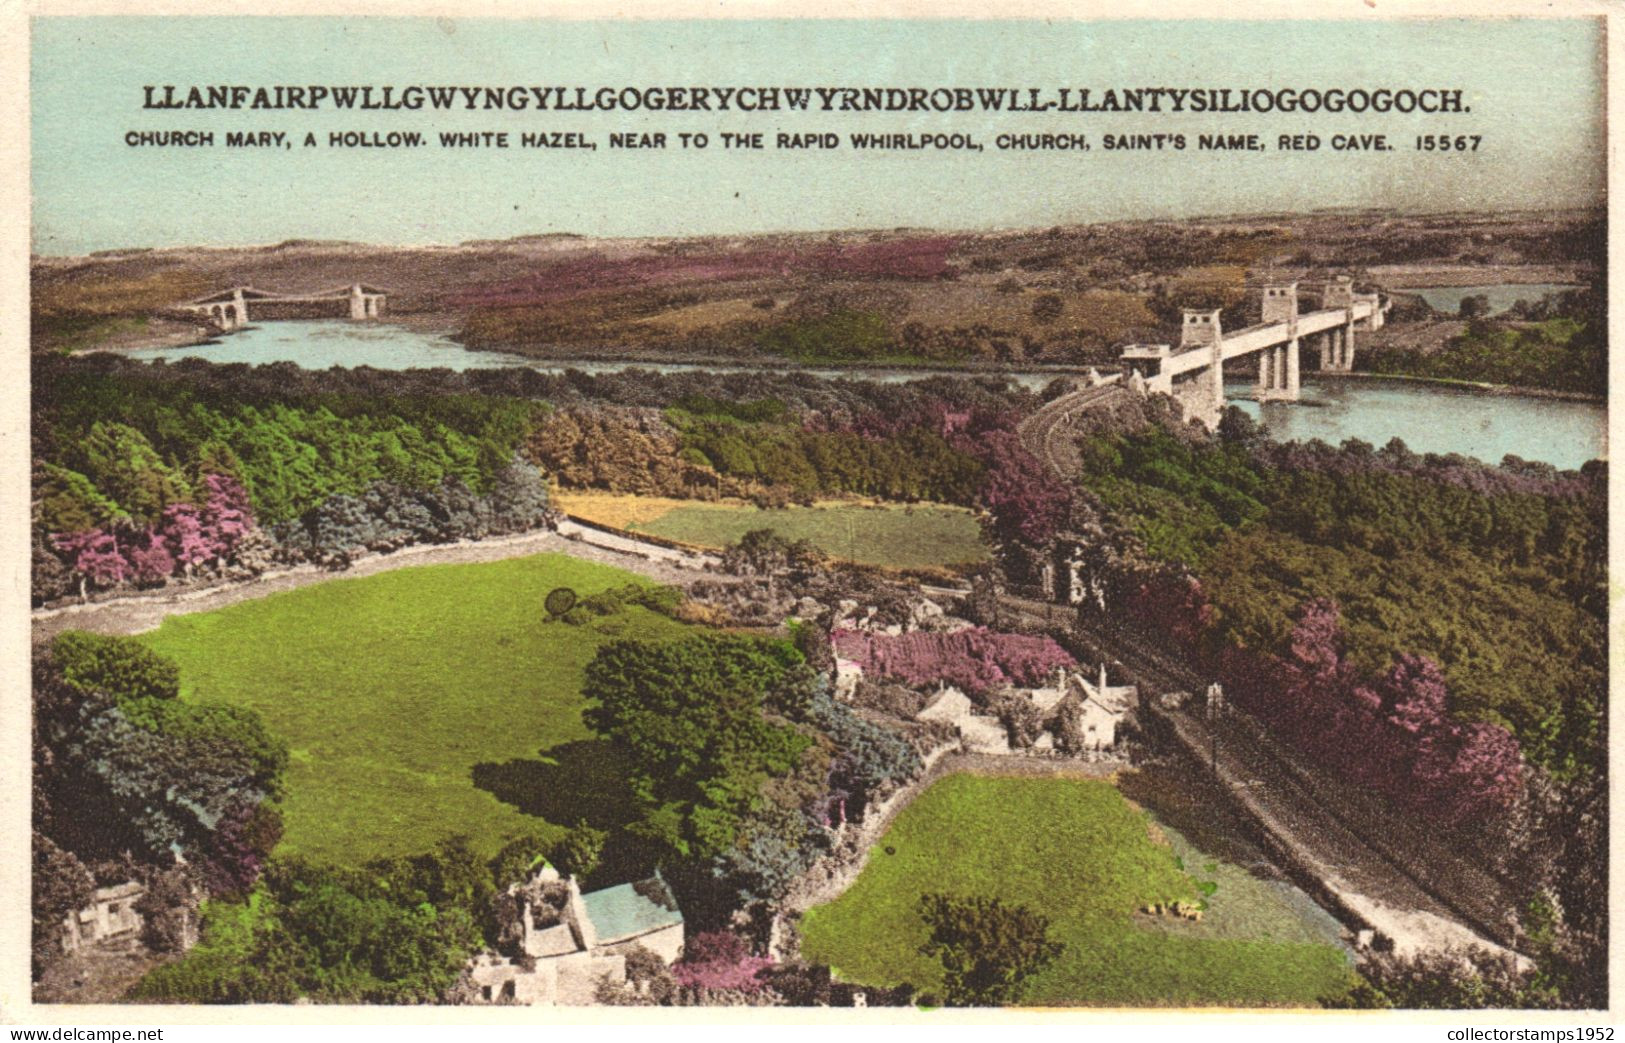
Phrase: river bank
x=1423 y=276
x=322 y=344
x=564 y=356
x=167 y=339
x=1470 y=386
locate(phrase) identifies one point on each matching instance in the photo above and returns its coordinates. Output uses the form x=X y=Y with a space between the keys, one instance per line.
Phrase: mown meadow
x=393 y=690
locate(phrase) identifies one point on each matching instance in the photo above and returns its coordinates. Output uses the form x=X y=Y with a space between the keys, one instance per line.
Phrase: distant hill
x=1066 y=294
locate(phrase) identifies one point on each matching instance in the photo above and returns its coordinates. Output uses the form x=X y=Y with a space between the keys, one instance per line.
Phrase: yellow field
x=618 y=510
x=916 y=536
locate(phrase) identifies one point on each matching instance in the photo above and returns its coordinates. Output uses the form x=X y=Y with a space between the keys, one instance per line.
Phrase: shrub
x=559 y=601
x=579 y=852
x=1048 y=307
x=988 y=949
x=117 y=666
x=664 y=600
x=871 y=758
x=169 y=910
x=1021 y=719
x=62 y=885
x=718 y=960
x=975 y=660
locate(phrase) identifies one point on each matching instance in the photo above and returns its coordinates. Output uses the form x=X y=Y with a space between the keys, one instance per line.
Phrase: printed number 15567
x=1447 y=143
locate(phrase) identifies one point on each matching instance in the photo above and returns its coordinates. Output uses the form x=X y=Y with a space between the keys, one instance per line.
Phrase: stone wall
x=836 y=871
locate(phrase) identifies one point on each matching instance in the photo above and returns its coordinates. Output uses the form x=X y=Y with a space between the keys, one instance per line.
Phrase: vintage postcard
x=1036 y=511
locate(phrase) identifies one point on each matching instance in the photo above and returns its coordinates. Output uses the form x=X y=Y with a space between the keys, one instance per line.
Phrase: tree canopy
x=988 y=949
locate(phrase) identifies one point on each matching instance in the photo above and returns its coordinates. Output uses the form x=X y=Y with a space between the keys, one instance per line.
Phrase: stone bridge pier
x=1279 y=366
x=1337 y=344
x=364 y=305
x=228 y=314
x=1193 y=372
x=1201 y=393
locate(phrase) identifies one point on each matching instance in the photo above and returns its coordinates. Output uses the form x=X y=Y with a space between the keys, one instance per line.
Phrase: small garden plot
x=1077 y=852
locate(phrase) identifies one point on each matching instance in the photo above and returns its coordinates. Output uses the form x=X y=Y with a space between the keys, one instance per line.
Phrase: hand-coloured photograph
x=1044 y=514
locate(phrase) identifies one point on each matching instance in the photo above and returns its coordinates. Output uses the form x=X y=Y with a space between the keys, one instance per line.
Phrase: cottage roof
x=631 y=910
x=950 y=704
x=553 y=941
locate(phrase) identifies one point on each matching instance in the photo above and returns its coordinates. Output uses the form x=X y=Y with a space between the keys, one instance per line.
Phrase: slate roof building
x=568 y=942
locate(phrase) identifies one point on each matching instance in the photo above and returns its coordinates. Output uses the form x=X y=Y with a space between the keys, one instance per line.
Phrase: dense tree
x=742 y=763
x=1428 y=627
x=198 y=455
x=324 y=935
x=117 y=666
x=1394 y=733
x=870 y=758
x=632 y=451
x=763 y=552
x=706 y=722
x=988 y=949
x=1556 y=342
x=1437 y=556
x=1025 y=501
x=66 y=501
x=122 y=765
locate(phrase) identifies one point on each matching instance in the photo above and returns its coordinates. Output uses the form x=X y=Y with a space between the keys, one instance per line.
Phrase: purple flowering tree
x=95 y=556
x=974 y=659
x=720 y=960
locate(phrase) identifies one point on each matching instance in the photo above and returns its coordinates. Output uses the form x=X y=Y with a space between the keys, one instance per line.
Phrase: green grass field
x=1078 y=852
x=928 y=536
x=411 y=699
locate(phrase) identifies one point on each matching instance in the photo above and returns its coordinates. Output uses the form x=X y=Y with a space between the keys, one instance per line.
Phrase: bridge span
x=229 y=309
x=1193 y=374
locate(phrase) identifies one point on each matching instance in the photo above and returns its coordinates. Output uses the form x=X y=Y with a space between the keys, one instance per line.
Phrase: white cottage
x=1103 y=706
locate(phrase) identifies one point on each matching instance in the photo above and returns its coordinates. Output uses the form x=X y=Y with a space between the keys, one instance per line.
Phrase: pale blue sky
x=1533 y=87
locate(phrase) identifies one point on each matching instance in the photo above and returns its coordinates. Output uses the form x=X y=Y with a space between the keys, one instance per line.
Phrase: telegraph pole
x=1215 y=699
